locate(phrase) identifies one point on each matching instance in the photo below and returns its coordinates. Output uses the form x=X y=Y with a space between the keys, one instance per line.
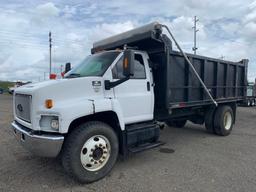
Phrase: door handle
x=148 y=86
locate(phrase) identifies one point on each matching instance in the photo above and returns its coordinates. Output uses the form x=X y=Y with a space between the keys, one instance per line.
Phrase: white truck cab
x=79 y=95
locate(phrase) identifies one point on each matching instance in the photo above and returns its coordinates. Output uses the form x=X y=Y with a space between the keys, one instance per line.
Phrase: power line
x=18 y=41
x=24 y=42
x=31 y=36
x=35 y=40
x=25 y=45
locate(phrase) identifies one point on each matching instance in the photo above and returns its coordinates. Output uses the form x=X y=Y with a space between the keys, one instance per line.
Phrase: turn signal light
x=125 y=62
x=48 y=103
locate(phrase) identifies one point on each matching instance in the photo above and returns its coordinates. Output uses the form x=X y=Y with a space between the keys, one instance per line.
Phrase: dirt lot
x=200 y=162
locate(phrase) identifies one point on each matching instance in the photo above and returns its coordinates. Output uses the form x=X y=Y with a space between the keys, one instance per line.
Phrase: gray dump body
x=176 y=86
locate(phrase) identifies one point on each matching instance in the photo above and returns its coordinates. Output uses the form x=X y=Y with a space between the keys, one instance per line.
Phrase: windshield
x=93 y=65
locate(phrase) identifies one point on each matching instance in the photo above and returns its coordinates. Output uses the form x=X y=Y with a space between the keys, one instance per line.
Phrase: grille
x=23 y=107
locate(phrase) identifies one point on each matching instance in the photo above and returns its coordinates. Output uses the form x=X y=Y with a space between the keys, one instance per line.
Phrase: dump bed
x=176 y=85
x=224 y=79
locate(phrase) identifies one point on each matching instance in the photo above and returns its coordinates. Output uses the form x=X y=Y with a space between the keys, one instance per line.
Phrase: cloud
x=226 y=29
x=76 y=44
x=69 y=12
x=47 y=10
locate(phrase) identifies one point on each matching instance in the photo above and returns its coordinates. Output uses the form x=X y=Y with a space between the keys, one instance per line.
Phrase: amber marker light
x=48 y=103
x=125 y=63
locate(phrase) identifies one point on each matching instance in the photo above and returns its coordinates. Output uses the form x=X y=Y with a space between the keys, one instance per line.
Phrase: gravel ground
x=191 y=160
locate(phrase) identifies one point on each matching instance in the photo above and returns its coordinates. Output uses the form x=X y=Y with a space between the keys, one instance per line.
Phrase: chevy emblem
x=19 y=107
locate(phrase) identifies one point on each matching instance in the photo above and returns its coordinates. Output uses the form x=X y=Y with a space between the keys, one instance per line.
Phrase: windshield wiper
x=73 y=75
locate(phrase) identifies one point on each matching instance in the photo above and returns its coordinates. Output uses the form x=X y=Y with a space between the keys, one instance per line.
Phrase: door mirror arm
x=128 y=70
x=67 y=67
x=109 y=85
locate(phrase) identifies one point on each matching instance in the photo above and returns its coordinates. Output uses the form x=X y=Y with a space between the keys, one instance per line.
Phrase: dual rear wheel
x=251 y=102
x=220 y=121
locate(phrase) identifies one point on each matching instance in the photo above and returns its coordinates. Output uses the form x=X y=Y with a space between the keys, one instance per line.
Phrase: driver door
x=135 y=96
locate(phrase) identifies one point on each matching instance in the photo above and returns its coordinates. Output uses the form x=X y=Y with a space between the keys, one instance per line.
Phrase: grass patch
x=5 y=84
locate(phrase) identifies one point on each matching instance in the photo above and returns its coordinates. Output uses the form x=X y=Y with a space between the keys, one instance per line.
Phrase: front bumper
x=44 y=145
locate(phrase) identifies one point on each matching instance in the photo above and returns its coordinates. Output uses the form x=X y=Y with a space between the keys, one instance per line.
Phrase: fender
x=78 y=109
x=74 y=110
x=110 y=104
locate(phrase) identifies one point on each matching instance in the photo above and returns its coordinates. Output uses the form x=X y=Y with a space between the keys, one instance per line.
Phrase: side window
x=139 y=68
x=117 y=71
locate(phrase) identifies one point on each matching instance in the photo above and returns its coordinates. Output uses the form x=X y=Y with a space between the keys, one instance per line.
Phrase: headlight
x=49 y=123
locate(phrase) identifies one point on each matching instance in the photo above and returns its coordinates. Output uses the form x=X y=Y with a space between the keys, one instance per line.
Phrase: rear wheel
x=209 y=120
x=252 y=102
x=176 y=123
x=223 y=120
x=90 y=151
x=248 y=103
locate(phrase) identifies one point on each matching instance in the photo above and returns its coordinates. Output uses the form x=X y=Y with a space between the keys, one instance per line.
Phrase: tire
x=209 y=120
x=90 y=151
x=252 y=102
x=176 y=123
x=223 y=120
x=248 y=104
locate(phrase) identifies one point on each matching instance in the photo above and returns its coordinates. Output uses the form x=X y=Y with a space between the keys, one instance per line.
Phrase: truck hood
x=86 y=87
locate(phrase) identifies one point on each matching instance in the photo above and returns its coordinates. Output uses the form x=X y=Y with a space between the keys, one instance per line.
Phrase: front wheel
x=90 y=151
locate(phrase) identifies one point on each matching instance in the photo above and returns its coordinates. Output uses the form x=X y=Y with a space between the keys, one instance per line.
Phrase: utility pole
x=45 y=75
x=195 y=31
x=61 y=68
x=50 y=53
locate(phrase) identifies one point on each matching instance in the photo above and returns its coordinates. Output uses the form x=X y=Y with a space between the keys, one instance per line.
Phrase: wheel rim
x=248 y=103
x=95 y=153
x=227 y=120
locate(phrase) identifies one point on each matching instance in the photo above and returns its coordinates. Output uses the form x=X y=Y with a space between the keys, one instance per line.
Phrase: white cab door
x=135 y=96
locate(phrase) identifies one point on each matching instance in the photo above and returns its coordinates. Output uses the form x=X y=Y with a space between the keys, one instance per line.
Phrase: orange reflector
x=125 y=62
x=48 y=103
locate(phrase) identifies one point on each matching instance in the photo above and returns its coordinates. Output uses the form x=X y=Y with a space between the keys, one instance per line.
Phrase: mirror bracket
x=109 y=84
x=67 y=67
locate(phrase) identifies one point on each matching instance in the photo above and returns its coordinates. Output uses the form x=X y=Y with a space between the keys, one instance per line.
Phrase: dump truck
x=117 y=99
x=250 y=95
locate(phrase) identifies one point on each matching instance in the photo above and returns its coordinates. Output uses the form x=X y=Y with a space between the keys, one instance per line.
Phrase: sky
x=227 y=29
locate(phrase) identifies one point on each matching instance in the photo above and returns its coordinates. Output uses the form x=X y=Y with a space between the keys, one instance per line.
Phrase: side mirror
x=128 y=63
x=67 y=67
